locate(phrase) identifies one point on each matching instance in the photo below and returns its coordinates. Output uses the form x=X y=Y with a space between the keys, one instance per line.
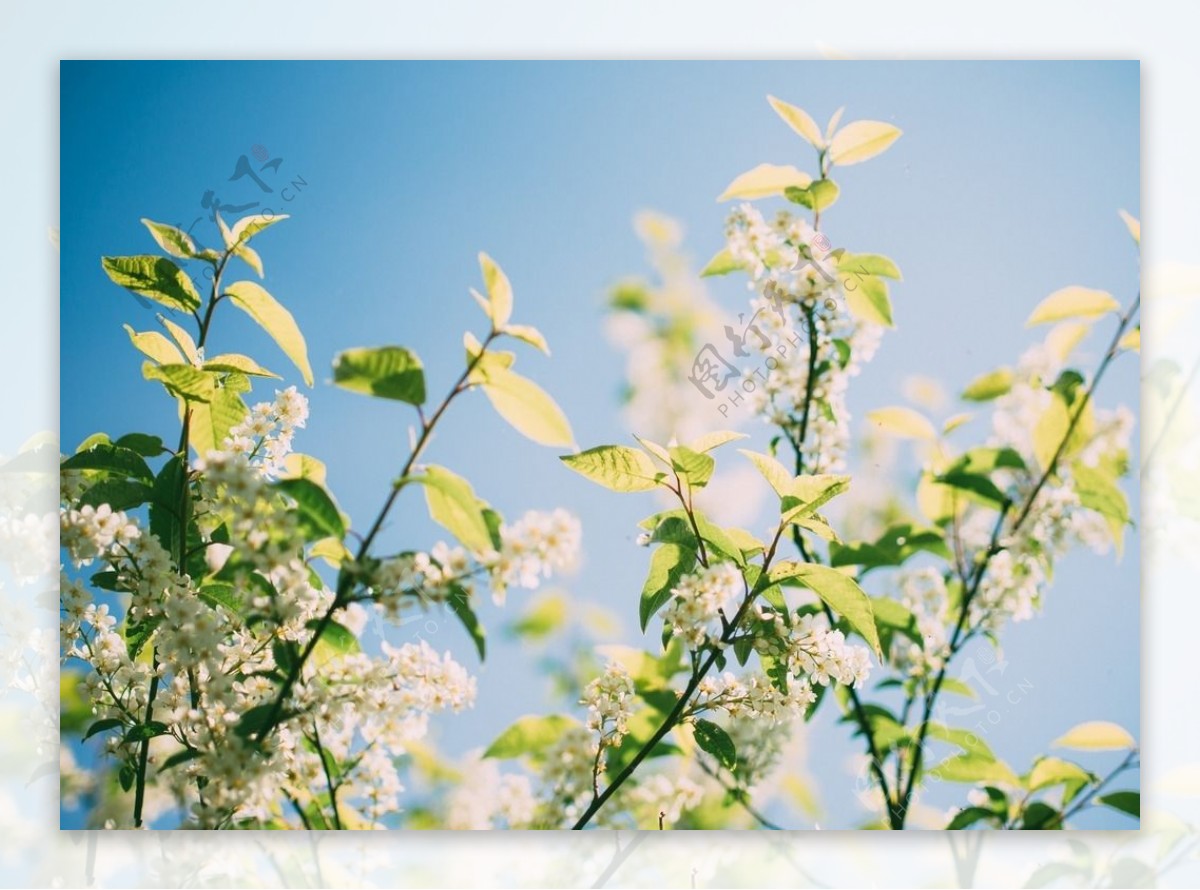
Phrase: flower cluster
x=265 y=435
x=800 y=327
x=702 y=600
x=820 y=653
x=609 y=700
x=533 y=548
x=923 y=592
x=753 y=697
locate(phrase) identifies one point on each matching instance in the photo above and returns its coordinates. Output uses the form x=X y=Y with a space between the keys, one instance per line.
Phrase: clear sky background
x=1004 y=187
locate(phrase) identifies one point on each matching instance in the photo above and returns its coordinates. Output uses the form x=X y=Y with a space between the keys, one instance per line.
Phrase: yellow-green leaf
x=249 y=226
x=387 y=372
x=182 y=339
x=1134 y=226
x=715 y=439
x=989 y=386
x=840 y=592
x=156 y=346
x=155 y=278
x=528 y=334
x=1132 y=341
x=240 y=363
x=905 y=423
x=868 y=300
x=499 y=291
x=616 y=467
x=765 y=180
x=1096 y=735
x=525 y=405
x=275 y=320
x=861 y=141
x=721 y=264
x=1055 y=771
x=174 y=241
x=1073 y=302
x=799 y=120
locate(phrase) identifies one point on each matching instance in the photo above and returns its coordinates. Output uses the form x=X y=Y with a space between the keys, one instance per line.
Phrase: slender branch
x=182 y=518
x=329 y=783
x=1130 y=762
x=681 y=705
x=902 y=805
x=346 y=580
x=739 y=794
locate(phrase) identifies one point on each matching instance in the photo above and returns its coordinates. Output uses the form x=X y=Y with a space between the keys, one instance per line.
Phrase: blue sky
x=1004 y=187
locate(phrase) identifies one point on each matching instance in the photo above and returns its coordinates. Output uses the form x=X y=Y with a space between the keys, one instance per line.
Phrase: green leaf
x=102 y=725
x=318 y=514
x=714 y=740
x=980 y=487
x=453 y=505
x=1129 y=802
x=212 y=421
x=970 y=742
x=616 y=467
x=155 y=278
x=145 y=731
x=275 y=320
x=891 y=617
x=546 y=616
x=143 y=443
x=241 y=364
x=840 y=592
x=968 y=817
x=989 y=386
x=527 y=334
x=223 y=594
x=111 y=459
x=389 y=372
x=868 y=301
x=694 y=468
x=126 y=776
x=860 y=141
x=862 y=264
x=174 y=241
x=164 y=508
x=763 y=181
x=529 y=735
x=527 y=407
x=336 y=640
x=894 y=547
x=806 y=494
x=819 y=195
x=458 y=601
x=179 y=758
x=1040 y=815
x=1073 y=302
x=499 y=291
x=668 y=565
x=119 y=494
x=1096 y=735
x=721 y=264
x=1098 y=491
x=182 y=381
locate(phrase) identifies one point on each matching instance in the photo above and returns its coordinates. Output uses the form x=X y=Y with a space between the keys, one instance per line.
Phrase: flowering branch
x=971 y=589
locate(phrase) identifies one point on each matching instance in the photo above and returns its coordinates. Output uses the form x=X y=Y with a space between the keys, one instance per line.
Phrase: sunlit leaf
x=861 y=140
x=1096 y=735
x=765 y=180
x=799 y=120
x=388 y=372
x=1073 y=302
x=275 y=320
